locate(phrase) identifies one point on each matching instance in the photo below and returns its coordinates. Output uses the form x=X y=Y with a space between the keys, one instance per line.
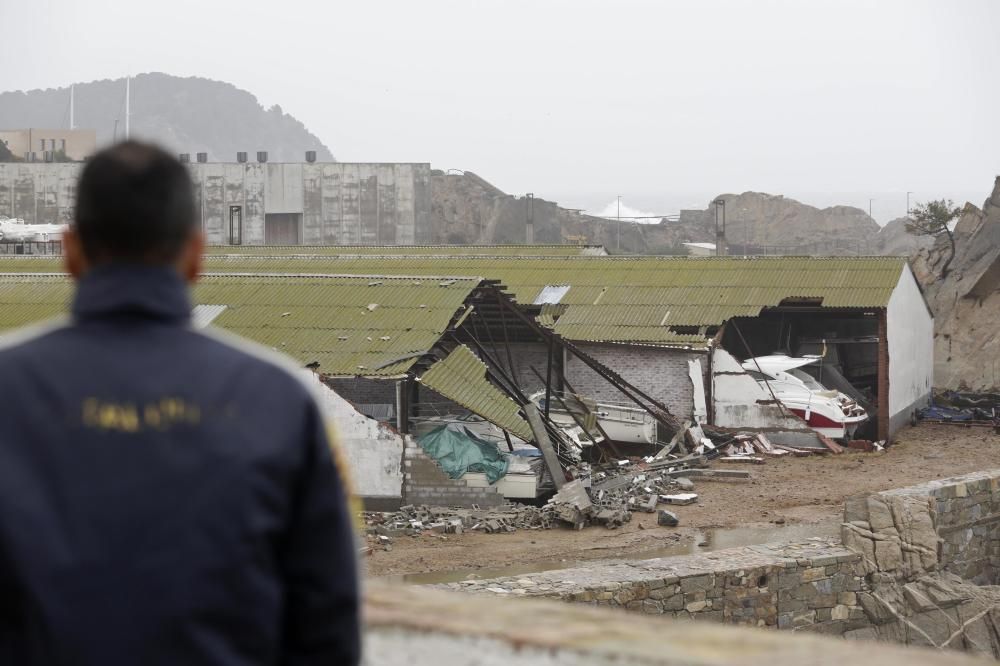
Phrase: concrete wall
x=372 y=451
x=338 y=203
x=662 y=373
x=39 y=193
x=911 y=351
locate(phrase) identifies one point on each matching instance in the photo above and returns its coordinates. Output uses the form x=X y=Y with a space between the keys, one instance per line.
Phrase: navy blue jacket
x=166 y=497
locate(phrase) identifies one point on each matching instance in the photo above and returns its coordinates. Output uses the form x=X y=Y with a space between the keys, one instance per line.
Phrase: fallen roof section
x=461 y=377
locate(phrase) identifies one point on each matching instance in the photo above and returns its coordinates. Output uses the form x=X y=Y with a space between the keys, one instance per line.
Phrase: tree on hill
x=5 y=154
x=933 y=219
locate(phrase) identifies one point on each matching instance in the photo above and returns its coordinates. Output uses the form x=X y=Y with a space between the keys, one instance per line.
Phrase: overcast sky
x=662 y=102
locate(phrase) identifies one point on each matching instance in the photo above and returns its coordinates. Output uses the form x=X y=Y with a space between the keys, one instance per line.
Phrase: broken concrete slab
x=680 y=499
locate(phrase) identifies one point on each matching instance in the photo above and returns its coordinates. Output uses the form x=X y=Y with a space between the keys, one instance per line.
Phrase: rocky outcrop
x=469 y=210
x=928 y=557
x=779 y=225
x=966 y=301
x=895 y=241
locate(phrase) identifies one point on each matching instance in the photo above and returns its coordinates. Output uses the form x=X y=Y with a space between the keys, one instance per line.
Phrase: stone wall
x=966 y=513
x=813 y=584
x=908 y=569
x=923 y=550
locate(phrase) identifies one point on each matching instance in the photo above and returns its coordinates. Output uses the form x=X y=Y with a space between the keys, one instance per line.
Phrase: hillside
x=966 y=301
x=185 y=114
x=467 y=209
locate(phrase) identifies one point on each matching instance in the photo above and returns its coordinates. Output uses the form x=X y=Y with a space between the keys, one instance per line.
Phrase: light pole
x=908 y=203
x=720 y=234
x=619 y=243
x=870 y=208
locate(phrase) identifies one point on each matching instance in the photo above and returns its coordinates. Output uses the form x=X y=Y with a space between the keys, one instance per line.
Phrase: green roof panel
x=461 y=377
x=349 y=325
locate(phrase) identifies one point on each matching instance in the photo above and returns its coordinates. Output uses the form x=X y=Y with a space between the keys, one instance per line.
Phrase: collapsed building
x=553 y=362
x=408 y=340
x=664 y=322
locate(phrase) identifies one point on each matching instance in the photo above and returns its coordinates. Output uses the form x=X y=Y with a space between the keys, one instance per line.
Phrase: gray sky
x=663 y=102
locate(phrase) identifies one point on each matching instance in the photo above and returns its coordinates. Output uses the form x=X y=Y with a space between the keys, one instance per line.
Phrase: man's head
x=134 y=205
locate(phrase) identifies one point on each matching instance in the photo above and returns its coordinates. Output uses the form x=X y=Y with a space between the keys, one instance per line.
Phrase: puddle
x=704 y=541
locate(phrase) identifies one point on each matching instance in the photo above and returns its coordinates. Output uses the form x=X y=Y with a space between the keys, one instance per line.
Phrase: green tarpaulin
x=459 y=450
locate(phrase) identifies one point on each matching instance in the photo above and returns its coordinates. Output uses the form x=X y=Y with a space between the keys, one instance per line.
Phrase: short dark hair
x=134 y=203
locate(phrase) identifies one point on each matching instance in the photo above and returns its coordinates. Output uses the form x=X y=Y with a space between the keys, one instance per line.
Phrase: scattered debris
x=680 y=499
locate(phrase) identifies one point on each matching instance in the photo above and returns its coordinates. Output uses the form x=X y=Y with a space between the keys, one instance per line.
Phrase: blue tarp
x=960 y=406
x=458 y=450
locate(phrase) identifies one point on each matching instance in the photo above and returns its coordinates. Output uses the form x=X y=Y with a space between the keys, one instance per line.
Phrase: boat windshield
x=806 y=379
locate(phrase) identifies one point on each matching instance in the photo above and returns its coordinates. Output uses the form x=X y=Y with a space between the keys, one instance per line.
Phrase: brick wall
x=361 y=390
x=662 y=373
x=425 y=483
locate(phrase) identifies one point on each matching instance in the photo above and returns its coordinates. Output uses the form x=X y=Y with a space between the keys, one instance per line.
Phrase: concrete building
x=254 y=203
x=34 y=144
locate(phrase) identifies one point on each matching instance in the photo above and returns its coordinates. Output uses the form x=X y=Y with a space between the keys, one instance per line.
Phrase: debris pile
x=963 y=408
x=383 y=527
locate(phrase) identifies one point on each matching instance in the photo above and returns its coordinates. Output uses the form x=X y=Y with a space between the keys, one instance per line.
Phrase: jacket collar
x=154 y=292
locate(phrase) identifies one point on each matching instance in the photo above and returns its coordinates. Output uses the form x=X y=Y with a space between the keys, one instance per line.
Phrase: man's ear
x=74 y=260
x=191 y=257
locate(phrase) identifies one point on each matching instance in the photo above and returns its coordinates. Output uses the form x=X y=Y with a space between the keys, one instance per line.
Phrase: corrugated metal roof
x=619 y=299
x=461 y=377
x=351 y=325
x=637 y=299
x=410 y=250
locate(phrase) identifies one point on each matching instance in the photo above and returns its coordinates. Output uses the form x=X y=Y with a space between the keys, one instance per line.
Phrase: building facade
x=254 y=203
x=34 y=144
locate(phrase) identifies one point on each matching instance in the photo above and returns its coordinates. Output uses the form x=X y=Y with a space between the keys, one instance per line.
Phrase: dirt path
x=788 y=491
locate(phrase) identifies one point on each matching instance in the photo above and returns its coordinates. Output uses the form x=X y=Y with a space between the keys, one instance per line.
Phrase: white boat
x=827 y=411
x=15 y=230
x=622 y=423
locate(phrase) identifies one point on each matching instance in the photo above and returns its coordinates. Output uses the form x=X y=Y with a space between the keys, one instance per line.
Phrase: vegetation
x=6 y=155
x=933 y=219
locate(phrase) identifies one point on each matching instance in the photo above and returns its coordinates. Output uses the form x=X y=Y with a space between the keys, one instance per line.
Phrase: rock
x=667 y=519
x=684 y=483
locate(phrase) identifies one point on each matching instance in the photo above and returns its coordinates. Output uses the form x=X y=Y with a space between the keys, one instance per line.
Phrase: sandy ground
x=783 y=493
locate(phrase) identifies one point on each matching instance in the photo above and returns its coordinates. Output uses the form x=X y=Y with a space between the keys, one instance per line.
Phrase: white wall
x=739 y=401
x=911 y=350
x=372 y=450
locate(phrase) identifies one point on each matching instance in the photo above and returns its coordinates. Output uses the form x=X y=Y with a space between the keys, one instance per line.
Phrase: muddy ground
x=783 y=493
